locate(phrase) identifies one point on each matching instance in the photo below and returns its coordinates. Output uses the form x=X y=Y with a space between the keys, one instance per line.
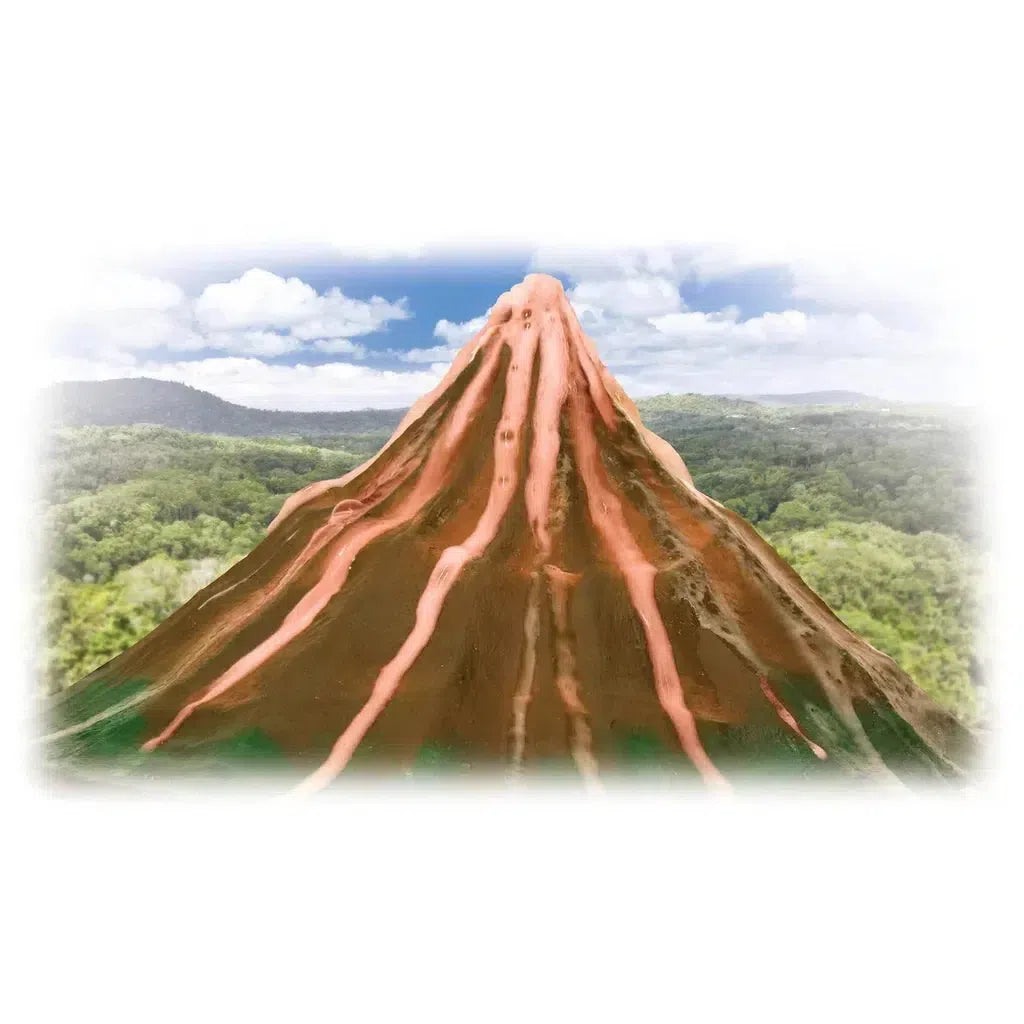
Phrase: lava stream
x=607 y=516
x=560 y=584
x=786 y=715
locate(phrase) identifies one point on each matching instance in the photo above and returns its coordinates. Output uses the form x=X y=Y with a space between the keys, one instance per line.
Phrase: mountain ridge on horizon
x=124 y=401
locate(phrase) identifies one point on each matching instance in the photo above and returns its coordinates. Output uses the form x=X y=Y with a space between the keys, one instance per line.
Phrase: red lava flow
x=784 y=713
x=639 y=574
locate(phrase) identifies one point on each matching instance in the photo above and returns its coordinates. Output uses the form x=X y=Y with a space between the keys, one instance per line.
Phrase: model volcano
x=524 y=578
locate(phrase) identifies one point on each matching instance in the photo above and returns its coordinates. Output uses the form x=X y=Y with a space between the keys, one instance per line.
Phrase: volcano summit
x=524 y=578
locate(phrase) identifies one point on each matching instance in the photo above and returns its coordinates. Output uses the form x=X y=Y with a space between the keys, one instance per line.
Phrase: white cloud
x=258 y=314
x=252 y=342
x=261 y=299
x=632 y=296
x=886 y=284
x=631 y=302
x=790 y=351
x=341 y=345
x=823 y=334
x=873 y=333
x=256 y=299
x=426 y=355
x=456 y=335
x=103 y=332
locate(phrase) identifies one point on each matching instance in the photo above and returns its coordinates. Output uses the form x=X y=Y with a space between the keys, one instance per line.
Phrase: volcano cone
x=524 y=579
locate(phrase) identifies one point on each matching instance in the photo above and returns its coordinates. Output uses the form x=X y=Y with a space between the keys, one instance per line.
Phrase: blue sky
x=314 y=329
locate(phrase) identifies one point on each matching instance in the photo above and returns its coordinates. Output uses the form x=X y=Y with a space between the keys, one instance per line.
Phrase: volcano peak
x=535 y=291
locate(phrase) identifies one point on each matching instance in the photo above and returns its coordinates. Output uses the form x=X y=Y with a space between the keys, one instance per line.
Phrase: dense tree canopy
x=912 y=596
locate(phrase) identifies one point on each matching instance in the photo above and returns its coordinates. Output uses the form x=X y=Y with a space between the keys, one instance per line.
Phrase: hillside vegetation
x=874 y=508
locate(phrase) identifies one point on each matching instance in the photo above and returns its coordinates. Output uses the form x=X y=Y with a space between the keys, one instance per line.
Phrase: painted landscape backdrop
x=151 y=489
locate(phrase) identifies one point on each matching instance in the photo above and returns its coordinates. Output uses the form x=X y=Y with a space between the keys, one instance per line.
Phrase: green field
x=874 y=507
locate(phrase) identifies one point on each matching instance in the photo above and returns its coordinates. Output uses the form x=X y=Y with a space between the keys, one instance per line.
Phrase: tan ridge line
x=524 y=688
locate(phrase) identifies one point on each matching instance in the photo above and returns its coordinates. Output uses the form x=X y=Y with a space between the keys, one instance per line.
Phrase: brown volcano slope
x=524 y=576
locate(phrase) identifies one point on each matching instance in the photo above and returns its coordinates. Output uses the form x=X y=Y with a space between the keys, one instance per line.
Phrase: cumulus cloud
x=130 y=325
x=633 y=296
x=259 y=314
x=250 y=342
x=261 y=299
x=454 y=335
x=850 y=333
x=885 y=285
x=860 y=329
x=817 y=334
x=434 y=354
x=341 y=345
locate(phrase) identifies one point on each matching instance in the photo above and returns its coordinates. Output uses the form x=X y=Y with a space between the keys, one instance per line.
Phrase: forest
x=874 y=506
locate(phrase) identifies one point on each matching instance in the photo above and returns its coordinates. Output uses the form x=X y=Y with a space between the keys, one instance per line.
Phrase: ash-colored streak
x=116 y=709
x=366 y=531
x=227 y=590
x=450 y=564
x=560 y=584
x=418 y=408
x=524 y=688
x=784 y=713
x=607 y=516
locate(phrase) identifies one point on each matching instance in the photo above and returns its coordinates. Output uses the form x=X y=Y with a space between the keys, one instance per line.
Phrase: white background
x=866 y=137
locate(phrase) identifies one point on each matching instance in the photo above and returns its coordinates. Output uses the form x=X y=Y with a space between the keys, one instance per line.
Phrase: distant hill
x=699 y=405
x=109 y=403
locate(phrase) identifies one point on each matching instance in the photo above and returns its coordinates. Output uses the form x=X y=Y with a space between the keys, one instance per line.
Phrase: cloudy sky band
x=665 y=320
